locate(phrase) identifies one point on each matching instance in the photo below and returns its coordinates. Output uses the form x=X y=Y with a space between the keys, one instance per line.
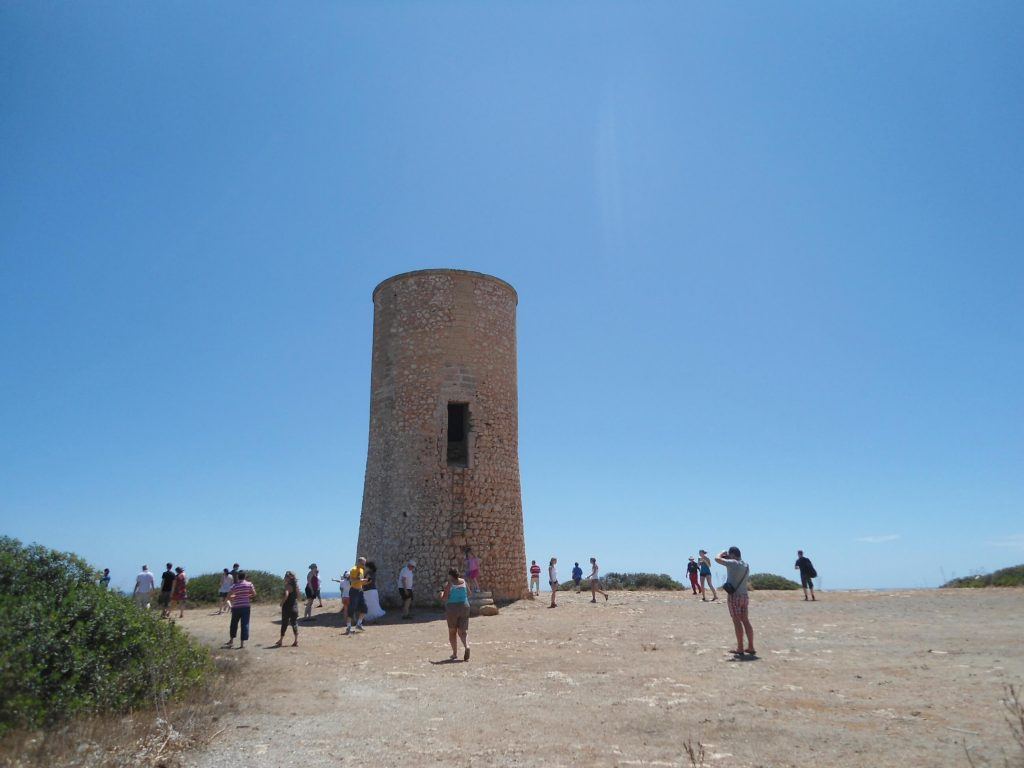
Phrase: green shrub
x=629 y=581
x=771 y=581
x=69 y=646
x=205 y=588
x=1004 y=577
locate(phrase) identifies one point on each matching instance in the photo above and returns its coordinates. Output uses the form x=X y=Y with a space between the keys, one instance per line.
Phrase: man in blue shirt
x=577 y=576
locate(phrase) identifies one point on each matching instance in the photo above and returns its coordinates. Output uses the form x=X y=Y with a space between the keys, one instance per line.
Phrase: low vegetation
x=69 y=647
x=765 y=581
x=1004 y=577
x=629 y=581
x=205 y=589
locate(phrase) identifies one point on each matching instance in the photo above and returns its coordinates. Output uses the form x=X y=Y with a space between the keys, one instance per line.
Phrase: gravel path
x=856 y=679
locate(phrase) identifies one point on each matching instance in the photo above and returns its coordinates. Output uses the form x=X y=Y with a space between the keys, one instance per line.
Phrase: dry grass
x=1014 y=714
x=152 y=738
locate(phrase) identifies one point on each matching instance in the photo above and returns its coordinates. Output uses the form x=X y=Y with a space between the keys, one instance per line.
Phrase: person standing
x=577 y=576
x=179 y=592
x=241 y=596
x=692 y=569
x=289 y=609
x=807 y=573
x=534 y=577
x=405 y=582
x=553 y=580
x=374 y=610
x=356 y=600
x=455 y=597
x=472 y=570
x=595 y=582
x=166 y=588
x=226 y=582
x=312 y=587
x=144 y=586
x=737 y=572
x=705 y=577
x=104 y=580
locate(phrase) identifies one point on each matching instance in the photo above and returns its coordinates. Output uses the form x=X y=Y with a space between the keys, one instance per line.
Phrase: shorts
x=310 y=594
x=577 y=581
x=142 y=599
x=164 y=599
x=738 y=605
x=224 y=595
x=457 y=615
x=356 y=603
x=473 y=575
x=553 y=584
x=405 y=594
x=806 y=581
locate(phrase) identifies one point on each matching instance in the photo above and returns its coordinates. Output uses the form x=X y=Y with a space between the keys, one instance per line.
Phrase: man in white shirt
x=405 y=581
x=144 y=586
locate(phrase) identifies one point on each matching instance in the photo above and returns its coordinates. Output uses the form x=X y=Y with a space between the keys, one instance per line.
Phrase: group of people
x=173 y=589
x=360 y=599
x=577 y=578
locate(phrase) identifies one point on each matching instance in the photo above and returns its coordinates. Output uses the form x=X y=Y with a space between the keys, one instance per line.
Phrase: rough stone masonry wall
x=443 y=336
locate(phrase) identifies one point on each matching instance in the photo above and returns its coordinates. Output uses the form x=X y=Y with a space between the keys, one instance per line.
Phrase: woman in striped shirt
x=242 y=593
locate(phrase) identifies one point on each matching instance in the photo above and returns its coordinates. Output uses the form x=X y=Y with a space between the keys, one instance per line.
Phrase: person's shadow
x=447 y=661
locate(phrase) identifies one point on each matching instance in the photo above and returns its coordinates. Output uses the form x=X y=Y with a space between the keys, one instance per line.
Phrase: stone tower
x=442 y=468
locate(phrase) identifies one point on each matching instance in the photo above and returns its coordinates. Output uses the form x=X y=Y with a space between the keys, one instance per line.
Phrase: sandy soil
x=856 y=679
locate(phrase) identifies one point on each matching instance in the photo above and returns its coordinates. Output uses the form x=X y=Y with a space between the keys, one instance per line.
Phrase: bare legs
x=554 y=591
x=739 y=625
x=705 y=583
x=594 y=589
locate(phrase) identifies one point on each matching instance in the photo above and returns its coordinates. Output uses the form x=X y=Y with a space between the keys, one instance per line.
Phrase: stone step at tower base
x=482 y=604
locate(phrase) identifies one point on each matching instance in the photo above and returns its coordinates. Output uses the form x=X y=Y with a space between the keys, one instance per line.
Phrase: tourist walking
x=455 y=597
x=577 y=576
x=737 y=573
x=807 y=573
x=595 y=582
x=104 y=580
x=179 y=592
x=289 y=609
x=705 y=577
x=356 y=600
x=226 y=582
x=553 y=581
x=242 y=593
x=472 y=570
x=534 y=577
x=166 y=588
x=692 y=570
x=405 y=582
x=144 y=586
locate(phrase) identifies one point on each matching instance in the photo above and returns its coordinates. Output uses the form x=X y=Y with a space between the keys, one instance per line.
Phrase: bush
x=1004 y=577
x=68 y=646
x=629 y=581
x=205 y=589
x=771 y=581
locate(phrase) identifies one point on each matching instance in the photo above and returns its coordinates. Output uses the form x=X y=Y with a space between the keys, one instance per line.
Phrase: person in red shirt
x=534 y=577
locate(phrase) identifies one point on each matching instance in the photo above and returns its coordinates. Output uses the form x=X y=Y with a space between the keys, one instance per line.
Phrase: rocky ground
x=857 y=679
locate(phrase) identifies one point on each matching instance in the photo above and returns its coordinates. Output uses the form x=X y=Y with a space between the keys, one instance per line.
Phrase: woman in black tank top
x=289 y=608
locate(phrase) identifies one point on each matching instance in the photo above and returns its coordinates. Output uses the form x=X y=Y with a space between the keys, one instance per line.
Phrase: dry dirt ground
x=855 y=679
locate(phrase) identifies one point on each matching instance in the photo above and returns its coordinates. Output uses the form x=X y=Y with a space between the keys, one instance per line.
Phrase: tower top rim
x=459 y=272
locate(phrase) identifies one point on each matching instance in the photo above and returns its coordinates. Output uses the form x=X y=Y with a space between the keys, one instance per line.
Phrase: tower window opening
x=458 y=434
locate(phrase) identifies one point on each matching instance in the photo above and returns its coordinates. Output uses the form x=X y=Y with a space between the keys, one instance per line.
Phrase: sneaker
x=348 y=630
x=360 y=627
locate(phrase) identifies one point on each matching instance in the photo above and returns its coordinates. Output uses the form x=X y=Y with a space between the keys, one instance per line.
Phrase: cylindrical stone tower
x=442 y=469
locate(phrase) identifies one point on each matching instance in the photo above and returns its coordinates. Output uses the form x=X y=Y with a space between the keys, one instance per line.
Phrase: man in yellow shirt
x=356 y=601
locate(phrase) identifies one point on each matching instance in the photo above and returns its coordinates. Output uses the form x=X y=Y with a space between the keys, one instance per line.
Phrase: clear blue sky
x=769 y=260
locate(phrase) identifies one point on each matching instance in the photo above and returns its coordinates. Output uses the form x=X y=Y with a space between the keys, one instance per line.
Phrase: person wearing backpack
x=807 y=573
x=737 y=572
